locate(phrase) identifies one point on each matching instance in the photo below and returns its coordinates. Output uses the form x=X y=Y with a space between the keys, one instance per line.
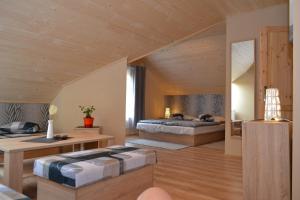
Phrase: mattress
x=80 y=168
x=180 y=130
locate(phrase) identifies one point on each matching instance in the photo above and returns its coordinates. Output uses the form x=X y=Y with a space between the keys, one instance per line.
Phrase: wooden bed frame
x=190 y=140
x=124 y=187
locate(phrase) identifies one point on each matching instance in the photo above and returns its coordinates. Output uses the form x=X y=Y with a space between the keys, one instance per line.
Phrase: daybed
x=112 y=173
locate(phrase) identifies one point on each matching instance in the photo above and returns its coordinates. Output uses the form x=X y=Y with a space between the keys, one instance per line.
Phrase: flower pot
x=88 y=122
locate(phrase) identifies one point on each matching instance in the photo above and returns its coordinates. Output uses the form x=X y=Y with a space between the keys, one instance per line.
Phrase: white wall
x=247 y=26
x=105 y=88
x=243 y=90
x=296 y=106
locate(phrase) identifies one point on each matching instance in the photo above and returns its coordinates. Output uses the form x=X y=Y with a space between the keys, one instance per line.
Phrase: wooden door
x=276 y=68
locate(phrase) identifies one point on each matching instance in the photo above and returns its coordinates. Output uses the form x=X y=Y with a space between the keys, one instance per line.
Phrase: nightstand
x=90 y=145
x=81 y=129
x=267 y=160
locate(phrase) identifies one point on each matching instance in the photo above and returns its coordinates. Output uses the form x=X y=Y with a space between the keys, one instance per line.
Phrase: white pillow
x=189 y=117
x=219 y=119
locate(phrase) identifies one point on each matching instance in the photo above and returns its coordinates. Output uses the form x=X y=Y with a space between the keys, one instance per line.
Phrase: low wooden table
x=14 y=149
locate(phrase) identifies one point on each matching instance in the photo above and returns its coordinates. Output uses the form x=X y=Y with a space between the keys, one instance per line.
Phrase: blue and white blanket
x=84 y=167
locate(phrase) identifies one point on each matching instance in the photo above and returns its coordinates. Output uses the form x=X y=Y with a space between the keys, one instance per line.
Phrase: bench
x=115 y=172
x=8 y=194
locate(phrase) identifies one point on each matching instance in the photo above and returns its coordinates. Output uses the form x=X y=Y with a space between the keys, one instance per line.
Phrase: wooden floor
x=199 y=173
x=195 y=173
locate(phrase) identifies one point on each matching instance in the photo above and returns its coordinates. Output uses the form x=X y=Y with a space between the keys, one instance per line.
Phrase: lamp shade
x=167 y=113
x=272 y=104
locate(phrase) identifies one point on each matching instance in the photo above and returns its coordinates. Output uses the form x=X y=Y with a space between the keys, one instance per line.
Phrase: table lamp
x=272 y=104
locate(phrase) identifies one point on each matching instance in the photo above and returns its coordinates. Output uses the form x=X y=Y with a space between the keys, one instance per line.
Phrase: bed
x=187 y=132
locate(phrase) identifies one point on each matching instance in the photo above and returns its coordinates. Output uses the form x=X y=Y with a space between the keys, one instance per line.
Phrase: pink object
x=154 y=193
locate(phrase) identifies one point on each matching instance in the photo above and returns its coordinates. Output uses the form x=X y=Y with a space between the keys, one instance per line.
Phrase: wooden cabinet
x=275 y=68
x=266 y=160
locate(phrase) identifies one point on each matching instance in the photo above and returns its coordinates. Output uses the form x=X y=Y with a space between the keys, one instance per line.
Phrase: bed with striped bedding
x=81 y=168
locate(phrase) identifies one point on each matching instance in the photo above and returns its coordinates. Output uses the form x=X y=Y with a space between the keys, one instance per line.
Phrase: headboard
x=196 y=104
x=38 y=113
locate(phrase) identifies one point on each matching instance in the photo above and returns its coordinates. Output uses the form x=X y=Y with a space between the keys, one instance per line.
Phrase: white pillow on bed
x=219 y=119
x=190 y=117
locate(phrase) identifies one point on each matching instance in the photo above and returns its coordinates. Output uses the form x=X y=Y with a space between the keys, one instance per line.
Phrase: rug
x=153 y=143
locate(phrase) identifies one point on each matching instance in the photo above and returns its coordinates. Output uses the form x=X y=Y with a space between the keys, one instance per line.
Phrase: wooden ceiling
x=197 y=63
x=45 y=44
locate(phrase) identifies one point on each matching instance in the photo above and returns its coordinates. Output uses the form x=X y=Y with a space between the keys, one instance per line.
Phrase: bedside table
x=81 y=129
x=266 y=160
x=90 y=145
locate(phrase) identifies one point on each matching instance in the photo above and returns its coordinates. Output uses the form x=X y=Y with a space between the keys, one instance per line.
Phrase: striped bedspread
x=183 y=123
x=9 y=194
x=80 y=168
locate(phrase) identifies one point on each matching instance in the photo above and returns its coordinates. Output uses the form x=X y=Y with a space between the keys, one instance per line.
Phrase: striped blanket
x=9 y=194
x=77 y=169
x=20 y=128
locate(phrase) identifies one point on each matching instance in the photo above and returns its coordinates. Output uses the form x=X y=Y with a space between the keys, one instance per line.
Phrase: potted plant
x=88 y=119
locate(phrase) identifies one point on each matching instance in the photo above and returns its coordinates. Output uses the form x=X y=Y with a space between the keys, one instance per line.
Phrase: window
x=130 y=97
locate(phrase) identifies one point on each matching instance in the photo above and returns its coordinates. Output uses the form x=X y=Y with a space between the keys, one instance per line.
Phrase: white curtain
x=130 y=97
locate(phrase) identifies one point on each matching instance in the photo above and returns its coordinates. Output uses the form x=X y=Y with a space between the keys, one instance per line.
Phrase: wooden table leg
x=13 y=170
x=81 y=146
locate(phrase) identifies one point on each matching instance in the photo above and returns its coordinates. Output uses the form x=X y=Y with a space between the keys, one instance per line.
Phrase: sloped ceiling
x=44 y=44
x=197 y=63
x=242 y=58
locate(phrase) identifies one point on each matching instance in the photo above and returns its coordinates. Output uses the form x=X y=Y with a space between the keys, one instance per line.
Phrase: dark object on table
x=61 y=137
x=21 y=128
